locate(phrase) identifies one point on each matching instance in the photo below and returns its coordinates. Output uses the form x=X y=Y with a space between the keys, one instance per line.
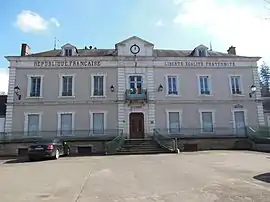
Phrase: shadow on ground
x=265 y=177
x=24 y=159
x=19 y=160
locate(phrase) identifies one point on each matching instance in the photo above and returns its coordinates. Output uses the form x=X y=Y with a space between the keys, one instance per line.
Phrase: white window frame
x=245 y=117
x=91 y=121
x=26 y=114
x=61 y=85
x=137 y=75
x=213 y=111
x=209 y=84
x=68 y=49
x=68 y=46
x=240 y=85
x=29 y=82
x=144 y=81
x=177 y=85
x=179 y=111
x=59 y=122
x=104 y=85
x=197 y=52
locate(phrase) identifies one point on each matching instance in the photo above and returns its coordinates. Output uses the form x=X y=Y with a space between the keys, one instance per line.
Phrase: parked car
x=52 y=149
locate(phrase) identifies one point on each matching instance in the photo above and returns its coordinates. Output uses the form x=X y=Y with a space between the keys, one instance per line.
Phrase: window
x=98 y=122
x=135 y=84
x=239 y=121
x=174 y=121
x=65 y=123
x=68 y=52
x=236 y=85
x=202 y=53
x=98 y=85
x=32 y=124
x=67 y=85
x=204 y=85
x=207 y=123
x=34 y=88
x=172 y=85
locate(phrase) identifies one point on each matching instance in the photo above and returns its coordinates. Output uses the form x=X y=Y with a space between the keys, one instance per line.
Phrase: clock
x=135 y=49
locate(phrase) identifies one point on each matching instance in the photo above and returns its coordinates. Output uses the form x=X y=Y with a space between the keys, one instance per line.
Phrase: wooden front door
x=136 y=125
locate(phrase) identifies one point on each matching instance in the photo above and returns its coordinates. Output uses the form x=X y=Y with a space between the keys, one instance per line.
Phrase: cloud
x=159 y=23
x=228 y=23
x=29 y=21
x=3 y=80
x=178 y=1
x=55 y=22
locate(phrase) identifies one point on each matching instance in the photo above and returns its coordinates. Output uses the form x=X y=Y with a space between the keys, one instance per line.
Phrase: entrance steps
x=141 y=146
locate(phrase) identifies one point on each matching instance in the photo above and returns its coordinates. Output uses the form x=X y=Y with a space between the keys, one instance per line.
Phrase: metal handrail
x=72 y=135
x=201 y=133
x=164 y=141
x=114 y=145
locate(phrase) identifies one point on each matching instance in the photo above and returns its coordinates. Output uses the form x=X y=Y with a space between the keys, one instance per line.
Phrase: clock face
x=135 y=49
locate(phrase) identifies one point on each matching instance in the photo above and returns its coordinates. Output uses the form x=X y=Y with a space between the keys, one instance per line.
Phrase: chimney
x=231 y=50
x=25 y=50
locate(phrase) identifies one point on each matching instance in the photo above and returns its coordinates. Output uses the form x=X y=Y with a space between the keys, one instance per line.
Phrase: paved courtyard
x=189 y=177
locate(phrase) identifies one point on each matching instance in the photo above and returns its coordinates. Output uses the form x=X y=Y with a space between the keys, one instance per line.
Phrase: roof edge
x=134 y=37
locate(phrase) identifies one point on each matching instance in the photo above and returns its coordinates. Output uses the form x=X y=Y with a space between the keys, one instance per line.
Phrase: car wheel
x=57 y=154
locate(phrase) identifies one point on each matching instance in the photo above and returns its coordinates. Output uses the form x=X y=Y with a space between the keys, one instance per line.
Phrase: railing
x=74 y=135
x=114 y=145
x=136 y=94
x=165 y=141
x=221 y=132
x=259 y=134
x=2 y=136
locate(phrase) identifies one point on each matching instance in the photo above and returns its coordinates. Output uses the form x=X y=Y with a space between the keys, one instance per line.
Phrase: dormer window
x=202 y=53
x=68 y=52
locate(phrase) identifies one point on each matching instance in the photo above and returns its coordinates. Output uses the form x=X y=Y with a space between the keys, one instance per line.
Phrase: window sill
x=207 y=132
x=96 y=134
x=63 y=97
x=172 y=95
x=205 y=95
x=238 y=95
x=29 y=134
x=29 y=97
x=66 y=135
x=98 y=96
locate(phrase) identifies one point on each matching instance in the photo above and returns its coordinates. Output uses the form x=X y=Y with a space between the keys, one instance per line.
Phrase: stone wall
x=12 y=149
x=99 y=147
x=212 y=144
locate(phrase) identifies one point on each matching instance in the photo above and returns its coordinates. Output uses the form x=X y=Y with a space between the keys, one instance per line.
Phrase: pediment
x=68 y=45
x=124 y=47
x=202 y=47
x=135 y=39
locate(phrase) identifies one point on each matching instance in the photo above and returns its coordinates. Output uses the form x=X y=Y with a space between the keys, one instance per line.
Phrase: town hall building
x=132 y=87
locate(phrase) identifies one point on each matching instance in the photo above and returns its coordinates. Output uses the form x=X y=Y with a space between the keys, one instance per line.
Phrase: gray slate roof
x=113 y=52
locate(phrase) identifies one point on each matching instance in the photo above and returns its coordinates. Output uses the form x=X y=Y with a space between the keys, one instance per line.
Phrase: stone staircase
x=141 y=146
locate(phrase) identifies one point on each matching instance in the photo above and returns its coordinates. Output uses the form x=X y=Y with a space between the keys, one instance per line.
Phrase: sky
x=169 y=24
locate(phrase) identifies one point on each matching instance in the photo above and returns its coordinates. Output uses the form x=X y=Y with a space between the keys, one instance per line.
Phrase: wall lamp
x=112 y=88
x=252 y=90
x=17 y=92
x=160 y=88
